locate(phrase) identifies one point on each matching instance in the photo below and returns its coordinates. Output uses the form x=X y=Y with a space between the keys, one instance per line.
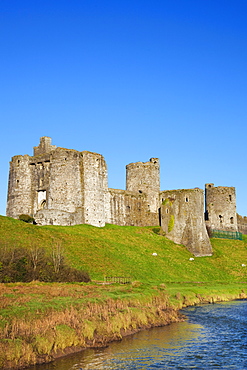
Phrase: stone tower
x=182 y=219
x=58 y=186
x=144 y=177
x=220 y=208
x=20 y=182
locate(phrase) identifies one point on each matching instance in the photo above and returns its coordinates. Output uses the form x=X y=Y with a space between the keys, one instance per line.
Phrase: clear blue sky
x=129 y=79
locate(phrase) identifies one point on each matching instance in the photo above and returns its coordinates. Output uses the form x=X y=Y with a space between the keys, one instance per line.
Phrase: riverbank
x=41 y=322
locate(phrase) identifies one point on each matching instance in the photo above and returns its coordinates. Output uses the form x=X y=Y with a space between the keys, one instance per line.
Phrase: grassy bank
x=39 y=321
x=127 y=251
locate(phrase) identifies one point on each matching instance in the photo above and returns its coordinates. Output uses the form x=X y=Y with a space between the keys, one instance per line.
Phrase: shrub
x=171 y=223
x=27 y=218
x=25 y=265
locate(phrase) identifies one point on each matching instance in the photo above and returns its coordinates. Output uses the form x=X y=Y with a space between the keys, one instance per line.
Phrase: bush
x=69 y=274
x=25 y=265
x=27 y=218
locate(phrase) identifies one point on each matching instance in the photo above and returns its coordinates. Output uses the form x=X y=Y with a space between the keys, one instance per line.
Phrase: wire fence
x=222 y=234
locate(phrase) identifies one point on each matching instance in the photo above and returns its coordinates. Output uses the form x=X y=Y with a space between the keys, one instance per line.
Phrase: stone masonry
x=220 y=208
x=59 y=186
x=182 y=219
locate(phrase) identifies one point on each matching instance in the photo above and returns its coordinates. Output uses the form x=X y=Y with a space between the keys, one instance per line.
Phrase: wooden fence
x=117 y=279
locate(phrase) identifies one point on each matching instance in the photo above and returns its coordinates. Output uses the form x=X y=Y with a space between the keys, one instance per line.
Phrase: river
x=212 y=337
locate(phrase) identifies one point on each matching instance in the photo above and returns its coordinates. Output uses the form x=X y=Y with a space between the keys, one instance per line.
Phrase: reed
x=53 y=323
x=39 y=321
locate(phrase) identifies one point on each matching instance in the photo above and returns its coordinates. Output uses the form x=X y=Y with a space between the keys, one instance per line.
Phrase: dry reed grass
x=93 y=321
x=58 y=316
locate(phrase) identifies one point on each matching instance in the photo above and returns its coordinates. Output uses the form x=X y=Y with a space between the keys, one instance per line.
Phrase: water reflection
x=214 y=336
x=142 y=349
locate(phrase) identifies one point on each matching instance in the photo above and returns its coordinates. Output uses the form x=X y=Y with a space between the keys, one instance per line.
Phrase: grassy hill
x=41 y=321
x=128 y=251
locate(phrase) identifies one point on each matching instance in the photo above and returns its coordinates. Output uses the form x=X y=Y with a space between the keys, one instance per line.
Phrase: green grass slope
x=127 y=251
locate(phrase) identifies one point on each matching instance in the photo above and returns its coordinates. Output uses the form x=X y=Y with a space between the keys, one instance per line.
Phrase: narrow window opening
x=186 y=199
x=140 y=191
x=230 y=198
x=167 y=210
x=231 y=220
x=221 y=218
x=41 y=199
x=206 y=216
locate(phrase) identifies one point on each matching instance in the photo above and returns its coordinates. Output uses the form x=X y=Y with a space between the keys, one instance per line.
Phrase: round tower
x=144 y=177
x=220 y=207
x=19 y=187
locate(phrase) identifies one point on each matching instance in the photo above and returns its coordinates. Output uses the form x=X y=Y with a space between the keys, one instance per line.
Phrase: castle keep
x=60 y=186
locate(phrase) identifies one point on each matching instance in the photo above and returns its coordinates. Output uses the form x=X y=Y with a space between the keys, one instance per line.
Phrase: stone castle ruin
x=60 y=186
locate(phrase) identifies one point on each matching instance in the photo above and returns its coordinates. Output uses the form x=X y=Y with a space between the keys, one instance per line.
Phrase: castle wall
x=57 y=217
x=182 y=219
x=242 y=224
x=130 y=209
x=144 y=177
x=40 y=181
x=220 y=206
x=61 y=189
x=65 y=190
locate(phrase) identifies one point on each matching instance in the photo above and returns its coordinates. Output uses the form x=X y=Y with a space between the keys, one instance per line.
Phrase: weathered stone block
x=182 y=219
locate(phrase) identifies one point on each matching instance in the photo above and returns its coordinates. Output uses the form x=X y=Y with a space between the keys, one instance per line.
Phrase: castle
x=60 y=186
